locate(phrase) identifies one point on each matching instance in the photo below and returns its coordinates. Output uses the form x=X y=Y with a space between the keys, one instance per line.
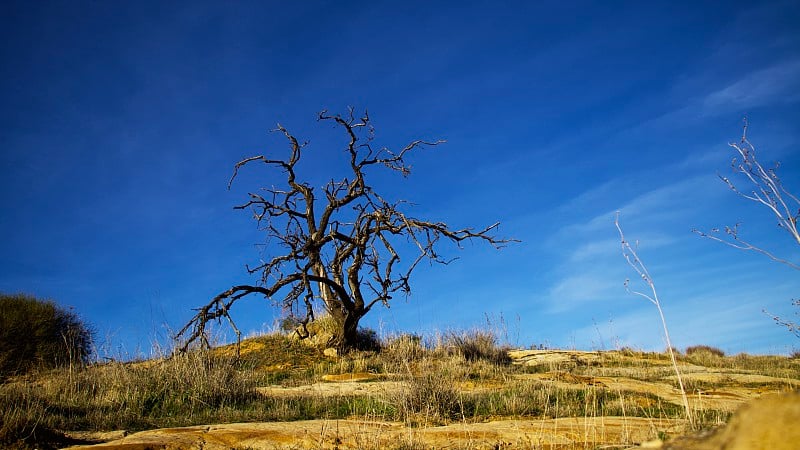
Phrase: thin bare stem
x=630 y=255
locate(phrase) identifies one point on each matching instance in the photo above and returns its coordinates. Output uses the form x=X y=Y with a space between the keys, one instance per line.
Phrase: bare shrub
x=763 y=186
x=792 y=326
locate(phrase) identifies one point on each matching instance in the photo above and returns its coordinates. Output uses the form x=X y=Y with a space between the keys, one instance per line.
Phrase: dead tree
x=340 y=250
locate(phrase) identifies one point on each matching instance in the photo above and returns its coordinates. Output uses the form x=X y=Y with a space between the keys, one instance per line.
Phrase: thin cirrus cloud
x=779 y=83
x=675 y=201
x=703 y=305
x=696 y=320
x=730 y=318
x=578 y=289
x=774 y=85
x=589 y=252
x=590 y=268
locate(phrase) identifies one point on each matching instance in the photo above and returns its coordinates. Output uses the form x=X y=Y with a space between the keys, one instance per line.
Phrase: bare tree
x=341 y=249
x=764 y=188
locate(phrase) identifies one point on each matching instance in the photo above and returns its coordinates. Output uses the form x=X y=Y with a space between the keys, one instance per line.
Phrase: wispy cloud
x=606 y=248
x=697 y=102
x=590 y=269
x=580 y=288
x=779 y=83
x=701 y=306
x=721 y=321
x=593 y=249
x=673 y=201
x=677 y=197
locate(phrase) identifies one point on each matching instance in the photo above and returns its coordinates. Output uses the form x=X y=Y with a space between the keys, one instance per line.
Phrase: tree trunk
x=346 y=335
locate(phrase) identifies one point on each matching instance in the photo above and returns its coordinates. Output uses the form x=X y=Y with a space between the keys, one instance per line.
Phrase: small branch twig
x=741 y=244
x=793 y=327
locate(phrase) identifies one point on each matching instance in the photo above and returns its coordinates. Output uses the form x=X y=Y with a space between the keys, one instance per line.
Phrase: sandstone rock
x=771 y=422
x=563 y=433
x=353 y=376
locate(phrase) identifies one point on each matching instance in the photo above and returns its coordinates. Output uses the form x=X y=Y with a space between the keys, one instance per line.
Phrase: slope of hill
x=461 y=393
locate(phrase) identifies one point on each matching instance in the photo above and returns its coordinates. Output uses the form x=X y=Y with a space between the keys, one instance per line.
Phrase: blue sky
x=120 y=123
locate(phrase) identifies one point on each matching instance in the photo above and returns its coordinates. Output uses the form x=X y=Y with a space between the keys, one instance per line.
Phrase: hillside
x=462 y=392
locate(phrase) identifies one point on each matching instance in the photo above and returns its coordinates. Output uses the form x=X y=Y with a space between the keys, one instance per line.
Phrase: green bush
x=38 y=334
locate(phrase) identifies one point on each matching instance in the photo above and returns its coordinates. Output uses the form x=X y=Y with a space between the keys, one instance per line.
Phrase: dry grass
x=463 y=378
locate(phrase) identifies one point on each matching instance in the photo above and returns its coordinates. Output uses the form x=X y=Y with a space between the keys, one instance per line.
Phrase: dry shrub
x=403 y=349
x=428 y=398
x=40 y=334
x=367 y=340
x=705 y=355
x=703 y=350
x=322 y=330
x=477 y=345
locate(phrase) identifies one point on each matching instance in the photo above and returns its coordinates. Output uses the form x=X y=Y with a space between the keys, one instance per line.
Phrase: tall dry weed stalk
x=629 y=252
x=764 y=187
